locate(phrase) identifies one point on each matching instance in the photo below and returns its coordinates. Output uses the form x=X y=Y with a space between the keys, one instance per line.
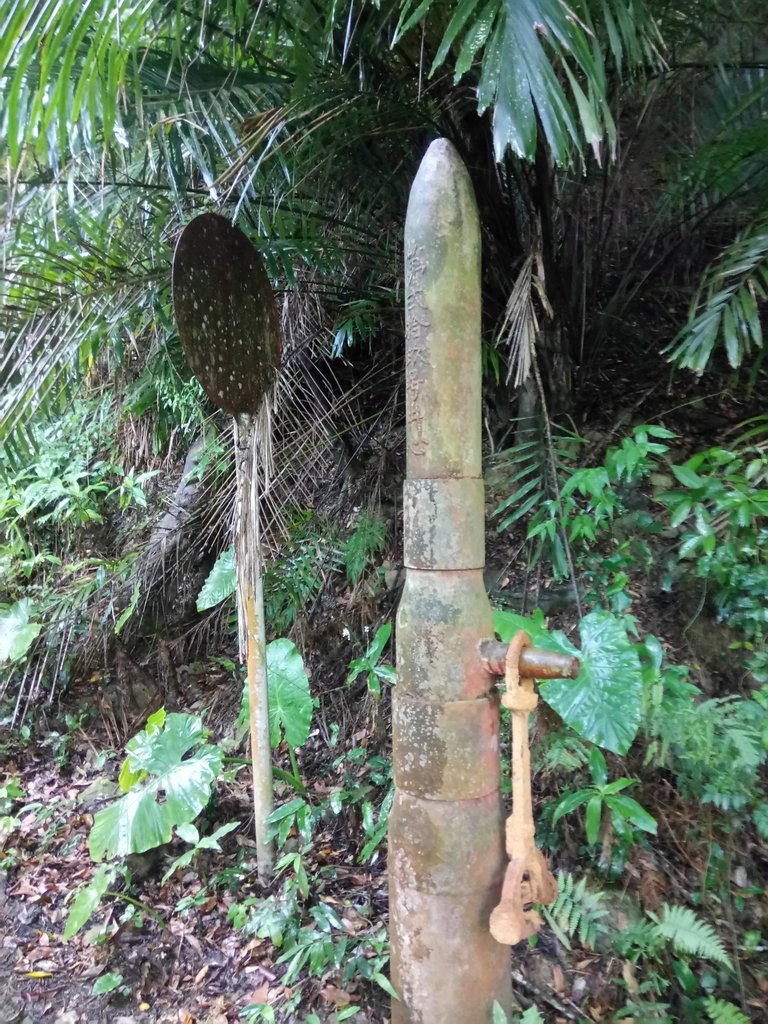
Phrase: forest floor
x=183 y=960
x=183 y=963
x=172 y=950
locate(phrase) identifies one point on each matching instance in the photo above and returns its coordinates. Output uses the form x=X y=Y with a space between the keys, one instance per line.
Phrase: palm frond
x=530 y=467
x=722 y=161
x=725 y=310
x=543 y=68
x=520 y=325
x=65 y=94
x=72 y=292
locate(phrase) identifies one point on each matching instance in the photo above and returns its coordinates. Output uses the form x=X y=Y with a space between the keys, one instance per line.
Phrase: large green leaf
x=221 y=581
x=508 y=623
x=603 y=703
x=290 y=703
x=178 y=788
x=16 y=631
x=543 y=70
x=87 y=899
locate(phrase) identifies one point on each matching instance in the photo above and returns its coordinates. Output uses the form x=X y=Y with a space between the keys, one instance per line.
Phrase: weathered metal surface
x=446 y=858
x=445 y=880
x=226 y=314
x=441 y=618
x=460 y=985
x=446 y=751
x=426 y=855
x=434 y=531
x=442 y=321
x=535 y=663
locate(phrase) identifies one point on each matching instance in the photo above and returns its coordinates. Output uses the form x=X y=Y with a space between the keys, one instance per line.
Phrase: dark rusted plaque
x=226 y=313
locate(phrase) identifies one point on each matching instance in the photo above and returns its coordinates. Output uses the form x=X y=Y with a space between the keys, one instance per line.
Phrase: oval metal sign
x=226 y=313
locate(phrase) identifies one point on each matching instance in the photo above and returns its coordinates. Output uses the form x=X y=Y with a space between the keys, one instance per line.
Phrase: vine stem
x=294 y=765
x=555 y=486
x=139 y=905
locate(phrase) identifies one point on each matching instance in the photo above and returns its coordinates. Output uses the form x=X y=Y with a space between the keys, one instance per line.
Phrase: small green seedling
x=603 y=795
x=189 y=833
x=369 y=663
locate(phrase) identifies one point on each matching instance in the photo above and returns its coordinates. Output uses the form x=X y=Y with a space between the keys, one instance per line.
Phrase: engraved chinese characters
x=446 y=853
x=417 y=325
x=442 y=318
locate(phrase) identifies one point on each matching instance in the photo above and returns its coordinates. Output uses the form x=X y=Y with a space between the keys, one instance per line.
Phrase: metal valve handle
x=527 y=880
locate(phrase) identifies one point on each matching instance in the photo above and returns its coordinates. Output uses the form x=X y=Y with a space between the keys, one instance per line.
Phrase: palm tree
x=303 y=123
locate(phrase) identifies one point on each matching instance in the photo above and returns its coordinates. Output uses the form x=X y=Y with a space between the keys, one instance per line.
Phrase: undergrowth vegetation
x=670 y=749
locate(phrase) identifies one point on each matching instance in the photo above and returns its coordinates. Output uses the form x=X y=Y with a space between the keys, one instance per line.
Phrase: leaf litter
x=197 y=968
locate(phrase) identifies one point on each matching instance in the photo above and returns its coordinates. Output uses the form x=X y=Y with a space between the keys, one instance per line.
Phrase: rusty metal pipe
x=535 y=663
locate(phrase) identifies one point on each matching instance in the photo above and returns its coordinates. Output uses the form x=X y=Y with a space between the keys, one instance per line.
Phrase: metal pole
x=446 y=849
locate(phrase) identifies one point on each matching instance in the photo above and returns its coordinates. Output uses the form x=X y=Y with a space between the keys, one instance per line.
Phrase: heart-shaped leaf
x=107 y=983
x=508 y=623
x=16 y=631
x=87 y=899
x=603 y=704
x=290 y=703
x=221 y=581
x=177 y=788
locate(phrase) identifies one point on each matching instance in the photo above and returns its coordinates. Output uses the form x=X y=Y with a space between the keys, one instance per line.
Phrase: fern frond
x=645 y=1011
x=576 y=912
x=690 y=935
x=640 y=938
x=559 y=752
x=720 y=1011
x=367 y=538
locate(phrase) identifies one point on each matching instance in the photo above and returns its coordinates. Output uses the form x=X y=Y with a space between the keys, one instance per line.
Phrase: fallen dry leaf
x=217 y=1014
x=260 y=994
x=337 y=996
x=35 y=953
x=628 y=974
x=558 y=979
